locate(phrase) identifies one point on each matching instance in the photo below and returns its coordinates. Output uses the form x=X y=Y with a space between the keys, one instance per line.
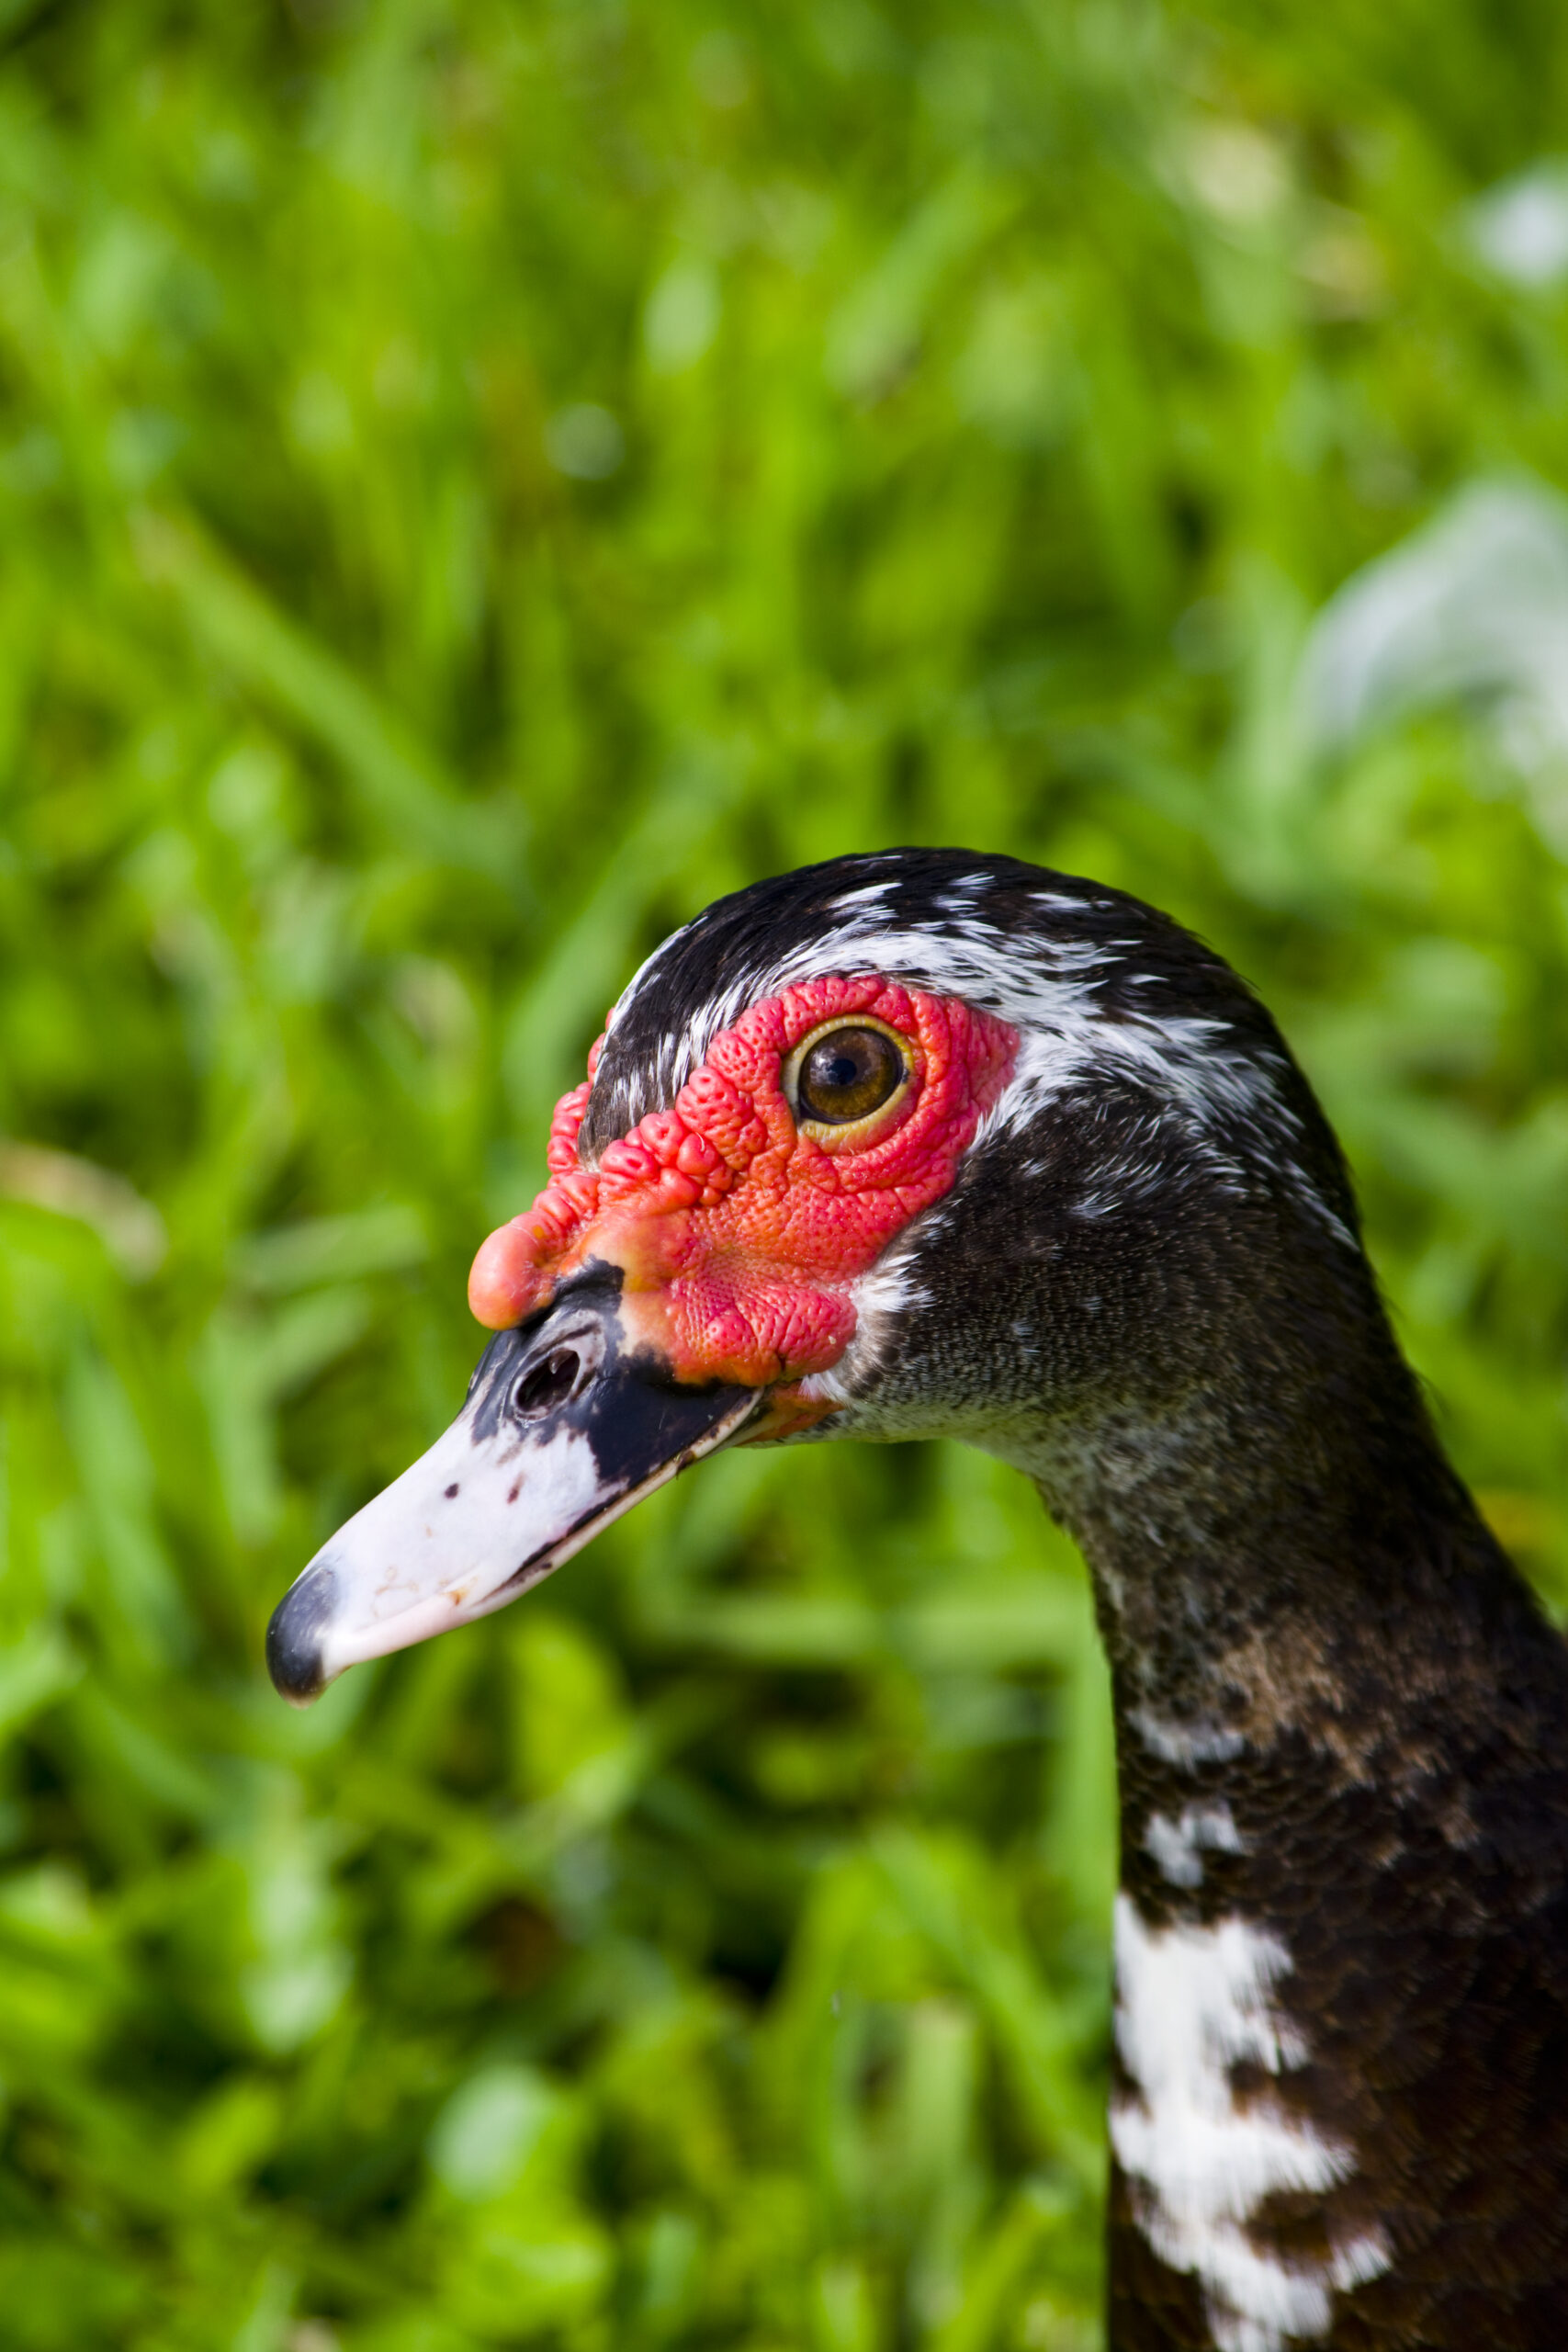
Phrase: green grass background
x=476 y=482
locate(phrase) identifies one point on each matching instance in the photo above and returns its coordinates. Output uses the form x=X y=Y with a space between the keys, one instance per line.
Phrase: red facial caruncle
x=740 y=1227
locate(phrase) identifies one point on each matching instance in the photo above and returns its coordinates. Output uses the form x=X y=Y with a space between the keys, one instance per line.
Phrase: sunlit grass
x=476 y=482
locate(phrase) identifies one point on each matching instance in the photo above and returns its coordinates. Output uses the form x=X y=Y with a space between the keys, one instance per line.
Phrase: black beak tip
x=293 y=1637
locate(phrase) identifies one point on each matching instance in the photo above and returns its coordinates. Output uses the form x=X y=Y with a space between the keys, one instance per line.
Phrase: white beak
x=562 y=1431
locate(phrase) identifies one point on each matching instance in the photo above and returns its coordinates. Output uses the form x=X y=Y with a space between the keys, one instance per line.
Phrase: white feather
x=1192 y=2004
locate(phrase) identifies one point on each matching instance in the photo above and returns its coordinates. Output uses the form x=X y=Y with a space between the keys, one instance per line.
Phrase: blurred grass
x=475 y=480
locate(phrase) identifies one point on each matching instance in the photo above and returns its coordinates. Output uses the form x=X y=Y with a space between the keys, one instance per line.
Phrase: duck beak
x=567 y=1424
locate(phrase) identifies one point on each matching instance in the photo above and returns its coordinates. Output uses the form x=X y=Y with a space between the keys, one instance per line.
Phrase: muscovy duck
x=925 y=1141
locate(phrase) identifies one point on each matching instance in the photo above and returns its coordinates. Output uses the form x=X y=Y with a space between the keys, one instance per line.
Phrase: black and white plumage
x=1340 y=2102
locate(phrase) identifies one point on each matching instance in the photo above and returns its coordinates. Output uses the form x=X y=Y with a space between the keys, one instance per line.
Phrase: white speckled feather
x=1192 y=2003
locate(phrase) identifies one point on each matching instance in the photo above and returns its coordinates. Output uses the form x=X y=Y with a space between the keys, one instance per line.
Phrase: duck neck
x=1287 y=1571
x=1338 y=1716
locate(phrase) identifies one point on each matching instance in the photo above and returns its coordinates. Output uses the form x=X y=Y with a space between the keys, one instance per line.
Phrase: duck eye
x=847 y=1074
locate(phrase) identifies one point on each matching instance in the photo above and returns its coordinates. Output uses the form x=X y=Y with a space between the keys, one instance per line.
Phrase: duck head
x=910 y=1143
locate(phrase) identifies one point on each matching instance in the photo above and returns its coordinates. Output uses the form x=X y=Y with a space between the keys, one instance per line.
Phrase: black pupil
x=849 y=1074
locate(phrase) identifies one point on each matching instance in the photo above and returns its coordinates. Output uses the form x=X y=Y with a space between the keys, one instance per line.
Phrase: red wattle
x=739 y=1236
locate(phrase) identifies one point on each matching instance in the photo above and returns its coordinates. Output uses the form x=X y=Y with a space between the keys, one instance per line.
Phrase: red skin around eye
x=739 y=1236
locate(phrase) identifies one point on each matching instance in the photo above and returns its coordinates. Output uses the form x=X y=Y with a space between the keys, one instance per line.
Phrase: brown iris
x=848 y=1073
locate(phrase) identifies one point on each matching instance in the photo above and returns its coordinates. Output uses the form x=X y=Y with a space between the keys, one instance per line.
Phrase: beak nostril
x=546 y=1384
